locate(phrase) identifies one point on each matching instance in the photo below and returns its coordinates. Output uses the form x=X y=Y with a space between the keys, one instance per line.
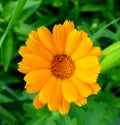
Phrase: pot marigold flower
x=62 y=67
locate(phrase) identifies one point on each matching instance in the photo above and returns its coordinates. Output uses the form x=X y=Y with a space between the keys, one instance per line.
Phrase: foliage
x=100 y=19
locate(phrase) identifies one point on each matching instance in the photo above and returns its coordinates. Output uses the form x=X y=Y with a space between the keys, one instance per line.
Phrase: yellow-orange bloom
x=62 y=66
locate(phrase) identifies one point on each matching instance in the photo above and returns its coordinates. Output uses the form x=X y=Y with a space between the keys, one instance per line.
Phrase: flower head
x=62 y=67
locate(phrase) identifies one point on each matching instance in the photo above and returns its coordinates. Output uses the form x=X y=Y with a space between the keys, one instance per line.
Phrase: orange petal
x=95 y=51
x=33 y=45
x=37 y=76
x=82 y=88
x=83 y=48
x=69 y=26
x=34 y=35
x=36 y=47
x=87 y=62
x=73 y=41
x=31 y=88
x=24 y=68
x=64 y=107
x=35 y=61
x=47 y=91
x=97 y=69
x=57 y=97
x=37 y=104
x=87 y=76
x=46 y=38
x=59 y=36
x=95 y=88
x=81 y=101
x=24 y=50
x=69 y=91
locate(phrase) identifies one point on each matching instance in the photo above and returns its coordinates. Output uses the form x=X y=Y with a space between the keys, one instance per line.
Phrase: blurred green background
x=100 y=19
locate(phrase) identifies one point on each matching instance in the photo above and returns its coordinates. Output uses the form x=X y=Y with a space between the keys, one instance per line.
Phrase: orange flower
x=62 y=67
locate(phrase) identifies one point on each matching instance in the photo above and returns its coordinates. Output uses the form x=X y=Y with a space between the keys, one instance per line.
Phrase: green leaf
x=109 y=34
x=74 y=121
x=110 y=4
x=6 y=52
x=29 y=109
x=42 y=120
x=8 y=78
x=50 y=121
x=8 y=10
x=88 y=1
x=99 y=32
x=114 y=77
x=5 y=99
x=109 y=99
x=23 y=29
x=92 y=8
x=74 y=14
x=78 y=113
x=94 y=117
x=26 y=96
x=59 y=3
x=42 y=21
x=5 y=115
x=67 y=120
x=9 y=90
x=1 y=7
x=29 y=8
x=16 y=13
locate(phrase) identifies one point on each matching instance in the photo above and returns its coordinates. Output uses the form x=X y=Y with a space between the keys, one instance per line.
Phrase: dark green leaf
x=5 y=115
x=8 y=78
x=92 y=8
x=8 y=89
x=5 y=99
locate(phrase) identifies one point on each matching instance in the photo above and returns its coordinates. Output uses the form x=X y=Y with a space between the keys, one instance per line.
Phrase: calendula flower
x=62 y=67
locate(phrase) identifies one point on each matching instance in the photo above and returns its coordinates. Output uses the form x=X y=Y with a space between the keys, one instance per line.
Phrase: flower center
x=62 y=66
